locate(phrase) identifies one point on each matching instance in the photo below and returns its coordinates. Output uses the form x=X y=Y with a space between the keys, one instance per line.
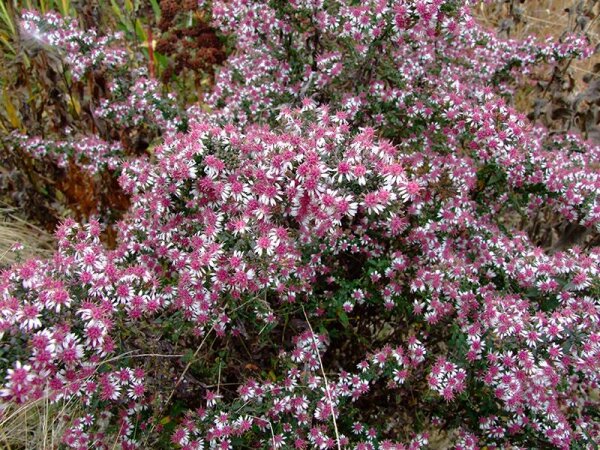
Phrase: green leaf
x=128 y=6
x=10 y=110
x=7 y=18
x=139 y=29
x=188 y=356
x=156 y=9
x=117 y=10
x=65 y=7
x=344 y=319
x=549 y=304
x=125 y=22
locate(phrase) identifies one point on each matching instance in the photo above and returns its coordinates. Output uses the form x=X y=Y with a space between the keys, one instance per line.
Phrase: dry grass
x=36 y=426
x=14 y=230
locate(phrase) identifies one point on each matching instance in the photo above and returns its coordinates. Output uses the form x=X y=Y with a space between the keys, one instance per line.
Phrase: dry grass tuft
x=37 y=425
x=15 y=230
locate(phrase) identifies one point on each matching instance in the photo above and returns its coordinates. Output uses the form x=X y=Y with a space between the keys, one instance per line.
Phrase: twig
x=337 y=434
x=187 y=367
x=219 y=380
x=272 y=431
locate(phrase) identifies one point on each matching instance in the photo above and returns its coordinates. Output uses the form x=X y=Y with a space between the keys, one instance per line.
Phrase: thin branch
x=335 y=427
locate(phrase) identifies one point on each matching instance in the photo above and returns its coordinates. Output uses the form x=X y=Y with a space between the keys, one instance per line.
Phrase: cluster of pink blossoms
x=447 y=378
x=90 y=153
x=139 y=102
x=132 y=100
x=59 y=312
x=82 y=49
x=358 y=168
x=302 y=404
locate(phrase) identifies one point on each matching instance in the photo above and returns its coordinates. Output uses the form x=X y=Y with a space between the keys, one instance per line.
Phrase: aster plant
x=337 y=245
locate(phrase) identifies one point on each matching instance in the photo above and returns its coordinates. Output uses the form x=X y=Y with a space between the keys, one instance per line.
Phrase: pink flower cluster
x=447 y=379
x=133 y=101
x=90 y=153
x=301 y=406
x=139 y=102
x=60 y=314
x=83 y=50
x=362 y=55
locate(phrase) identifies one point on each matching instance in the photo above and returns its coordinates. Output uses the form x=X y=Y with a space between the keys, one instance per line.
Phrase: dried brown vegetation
x=39 y=98
x=564 y=98
x=191 y=45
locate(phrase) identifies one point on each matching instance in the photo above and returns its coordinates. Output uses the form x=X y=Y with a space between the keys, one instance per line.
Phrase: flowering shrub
x=131 y=101
x=83 y=50
x=58 y=321
x=344 y=226
x=378 y=60
x=91 y=153
x=86 y=104
x=409 y=90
